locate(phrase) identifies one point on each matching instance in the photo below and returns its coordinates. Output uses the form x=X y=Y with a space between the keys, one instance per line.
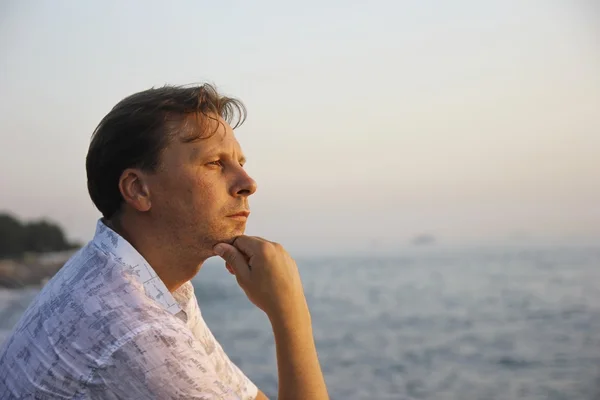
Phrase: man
x=120 y=320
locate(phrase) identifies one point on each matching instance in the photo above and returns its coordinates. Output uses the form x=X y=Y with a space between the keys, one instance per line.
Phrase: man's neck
x=170 y=265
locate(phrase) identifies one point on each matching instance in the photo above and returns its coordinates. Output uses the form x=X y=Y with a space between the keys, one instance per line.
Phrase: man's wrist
x=295 y=316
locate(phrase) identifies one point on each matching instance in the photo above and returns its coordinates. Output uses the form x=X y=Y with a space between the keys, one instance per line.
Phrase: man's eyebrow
x=242 y=160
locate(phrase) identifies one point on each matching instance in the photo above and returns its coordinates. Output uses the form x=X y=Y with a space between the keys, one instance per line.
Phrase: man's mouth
x=240 y=215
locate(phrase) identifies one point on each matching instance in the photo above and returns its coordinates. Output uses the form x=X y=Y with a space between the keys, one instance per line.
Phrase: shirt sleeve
x=226 y=369
x=231 y=373
x=160 y=363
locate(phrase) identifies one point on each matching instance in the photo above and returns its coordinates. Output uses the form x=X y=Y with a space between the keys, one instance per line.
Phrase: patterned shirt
x=106 y=327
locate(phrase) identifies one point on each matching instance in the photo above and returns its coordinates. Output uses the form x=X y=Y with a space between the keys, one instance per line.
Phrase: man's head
x=167 y=159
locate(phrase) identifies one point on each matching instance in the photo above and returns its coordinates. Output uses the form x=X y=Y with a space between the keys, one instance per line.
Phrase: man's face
x=199 y=195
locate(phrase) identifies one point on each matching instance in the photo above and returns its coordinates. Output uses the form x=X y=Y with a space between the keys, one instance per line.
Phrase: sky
x=368 y=122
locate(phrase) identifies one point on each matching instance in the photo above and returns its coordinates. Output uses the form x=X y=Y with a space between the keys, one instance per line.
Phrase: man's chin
x=232 y=236
x=228 y=240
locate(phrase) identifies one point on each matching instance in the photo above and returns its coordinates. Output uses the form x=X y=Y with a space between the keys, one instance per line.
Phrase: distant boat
x=423 y=240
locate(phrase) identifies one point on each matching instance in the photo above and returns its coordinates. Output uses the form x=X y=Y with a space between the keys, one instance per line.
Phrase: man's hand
x=266 y=273
x=270 y=278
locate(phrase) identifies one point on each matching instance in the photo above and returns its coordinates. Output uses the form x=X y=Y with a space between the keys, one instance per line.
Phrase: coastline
x=32 y=270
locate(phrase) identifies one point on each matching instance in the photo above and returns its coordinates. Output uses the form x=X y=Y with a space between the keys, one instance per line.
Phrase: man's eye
x=216 y=162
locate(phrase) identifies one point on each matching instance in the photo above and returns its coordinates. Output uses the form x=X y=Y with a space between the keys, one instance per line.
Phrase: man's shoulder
x=90 y=304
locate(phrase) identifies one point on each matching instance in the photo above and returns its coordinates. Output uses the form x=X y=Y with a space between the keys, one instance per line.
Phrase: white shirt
x=106 y=327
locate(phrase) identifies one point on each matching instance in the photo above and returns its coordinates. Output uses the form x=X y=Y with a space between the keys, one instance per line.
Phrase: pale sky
x=369 y=122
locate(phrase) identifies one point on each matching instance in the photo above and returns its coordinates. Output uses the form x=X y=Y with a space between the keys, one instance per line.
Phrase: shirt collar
x=135 y=265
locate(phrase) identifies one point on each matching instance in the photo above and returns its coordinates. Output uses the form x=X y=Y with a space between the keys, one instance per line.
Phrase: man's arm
x=300 y=375
x=270 y=279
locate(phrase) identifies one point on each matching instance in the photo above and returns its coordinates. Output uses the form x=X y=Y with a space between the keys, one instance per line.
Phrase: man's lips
x=240 y=215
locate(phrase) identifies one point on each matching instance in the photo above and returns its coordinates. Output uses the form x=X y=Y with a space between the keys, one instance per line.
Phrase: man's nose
x=246 y=186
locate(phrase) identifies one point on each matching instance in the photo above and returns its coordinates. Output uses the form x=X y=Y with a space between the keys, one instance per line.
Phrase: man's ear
x=134 y=189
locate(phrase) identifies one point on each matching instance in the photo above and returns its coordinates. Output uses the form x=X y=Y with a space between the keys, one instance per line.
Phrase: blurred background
x=434 y=167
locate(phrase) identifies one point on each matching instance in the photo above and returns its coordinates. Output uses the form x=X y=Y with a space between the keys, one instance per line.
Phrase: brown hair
x=137 y=129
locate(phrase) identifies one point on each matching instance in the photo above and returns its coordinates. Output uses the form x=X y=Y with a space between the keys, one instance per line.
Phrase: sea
x=491 y=323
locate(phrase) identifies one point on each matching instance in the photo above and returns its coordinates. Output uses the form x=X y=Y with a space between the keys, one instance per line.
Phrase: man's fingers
x=233 y=258
x=250 y=245
x=231 y=271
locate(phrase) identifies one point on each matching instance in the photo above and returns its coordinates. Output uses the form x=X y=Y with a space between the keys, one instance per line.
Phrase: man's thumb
x=233 y=257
